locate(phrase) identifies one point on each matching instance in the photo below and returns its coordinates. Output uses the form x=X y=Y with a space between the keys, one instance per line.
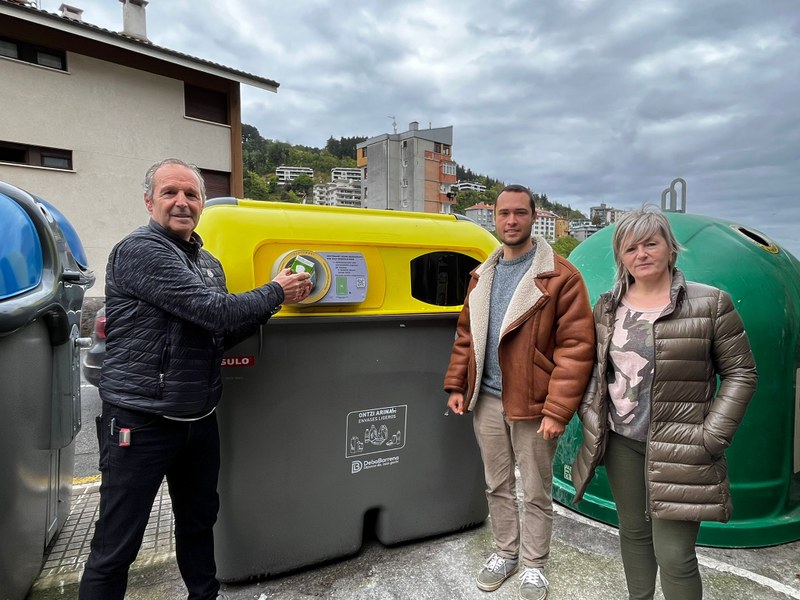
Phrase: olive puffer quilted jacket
x=699 y=336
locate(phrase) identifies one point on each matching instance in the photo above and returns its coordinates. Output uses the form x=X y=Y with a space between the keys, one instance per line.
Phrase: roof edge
x=144 y=48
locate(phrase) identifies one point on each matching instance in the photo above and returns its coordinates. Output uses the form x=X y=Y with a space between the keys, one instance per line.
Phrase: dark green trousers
x=649 y=545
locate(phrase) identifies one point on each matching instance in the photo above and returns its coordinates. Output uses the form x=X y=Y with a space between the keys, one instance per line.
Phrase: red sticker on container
x=239 y=361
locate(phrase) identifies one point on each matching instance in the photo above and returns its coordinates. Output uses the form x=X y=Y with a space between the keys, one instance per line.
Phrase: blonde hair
x=634 y=227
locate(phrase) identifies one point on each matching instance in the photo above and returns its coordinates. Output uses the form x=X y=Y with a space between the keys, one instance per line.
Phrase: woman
x=652 y=414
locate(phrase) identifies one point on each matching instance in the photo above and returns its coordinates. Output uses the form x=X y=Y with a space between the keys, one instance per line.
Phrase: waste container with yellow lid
x=333 y=419
x=764 y=459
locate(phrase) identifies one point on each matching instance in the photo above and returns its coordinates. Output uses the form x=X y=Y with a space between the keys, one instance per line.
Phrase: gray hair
x=151 y=172
x=634 y=227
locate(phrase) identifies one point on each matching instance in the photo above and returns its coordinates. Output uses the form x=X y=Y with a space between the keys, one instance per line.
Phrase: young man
x=521 y=360
x=169 y=319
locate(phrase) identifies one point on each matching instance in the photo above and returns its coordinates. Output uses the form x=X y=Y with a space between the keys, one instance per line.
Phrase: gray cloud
x=584 y=100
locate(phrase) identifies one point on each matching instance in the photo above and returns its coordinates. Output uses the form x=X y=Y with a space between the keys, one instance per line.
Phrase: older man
x=169 y=319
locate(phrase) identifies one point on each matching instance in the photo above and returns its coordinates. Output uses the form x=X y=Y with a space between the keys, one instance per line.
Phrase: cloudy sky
x=588 y=101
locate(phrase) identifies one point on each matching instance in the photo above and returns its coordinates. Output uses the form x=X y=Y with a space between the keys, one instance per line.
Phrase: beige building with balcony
x=88 y=110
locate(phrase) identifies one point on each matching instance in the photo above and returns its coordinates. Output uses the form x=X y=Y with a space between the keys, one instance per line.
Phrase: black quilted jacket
x=169 y=319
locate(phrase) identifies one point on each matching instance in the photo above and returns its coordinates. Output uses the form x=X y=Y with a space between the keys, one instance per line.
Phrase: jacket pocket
x=542 y=362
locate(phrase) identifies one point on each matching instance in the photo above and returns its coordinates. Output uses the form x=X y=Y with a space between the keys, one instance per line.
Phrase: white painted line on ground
x=718 y=565
x=706 y=561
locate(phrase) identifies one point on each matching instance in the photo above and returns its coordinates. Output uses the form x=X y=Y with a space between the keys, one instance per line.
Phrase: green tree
x=302 y=186
x=565 y=245
x=256 y=187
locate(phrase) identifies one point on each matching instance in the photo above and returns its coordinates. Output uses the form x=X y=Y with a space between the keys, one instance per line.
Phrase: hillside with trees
x=262 y=156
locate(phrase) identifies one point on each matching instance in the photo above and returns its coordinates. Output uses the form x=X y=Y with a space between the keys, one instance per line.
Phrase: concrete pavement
x=584 y=565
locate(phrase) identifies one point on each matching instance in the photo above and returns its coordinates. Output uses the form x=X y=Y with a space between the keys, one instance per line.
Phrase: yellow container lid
x=254 y=239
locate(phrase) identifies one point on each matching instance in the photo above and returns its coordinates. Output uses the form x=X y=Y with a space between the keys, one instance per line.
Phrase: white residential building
x=470 y=185
x=287 y=174
x=545 y=225
x=338 y=193
x=581 y=232
x=482 y=214
x=347 y=173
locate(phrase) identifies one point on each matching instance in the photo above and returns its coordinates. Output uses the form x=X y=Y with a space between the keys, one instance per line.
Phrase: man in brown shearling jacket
x=521 y=361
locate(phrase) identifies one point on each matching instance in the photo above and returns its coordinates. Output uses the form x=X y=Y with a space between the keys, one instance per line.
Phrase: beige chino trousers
x=504 y=443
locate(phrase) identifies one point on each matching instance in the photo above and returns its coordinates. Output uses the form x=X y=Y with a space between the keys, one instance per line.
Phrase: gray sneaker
x=533 y=584
x=496 y=570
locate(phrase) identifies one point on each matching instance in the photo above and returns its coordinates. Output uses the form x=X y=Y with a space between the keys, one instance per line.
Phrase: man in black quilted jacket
x=169 y=320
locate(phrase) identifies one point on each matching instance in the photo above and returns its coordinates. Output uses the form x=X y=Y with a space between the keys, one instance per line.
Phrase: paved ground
x=585 y=562
x=584 y=566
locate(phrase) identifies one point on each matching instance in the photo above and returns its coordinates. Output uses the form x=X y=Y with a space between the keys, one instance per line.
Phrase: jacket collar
x=190 y=246
x=676 y=292
x=544 y=263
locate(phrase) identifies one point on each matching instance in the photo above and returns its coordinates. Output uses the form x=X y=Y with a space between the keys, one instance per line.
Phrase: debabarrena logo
x=356 y=466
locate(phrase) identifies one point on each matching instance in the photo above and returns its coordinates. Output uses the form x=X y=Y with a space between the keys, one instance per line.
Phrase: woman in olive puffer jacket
x=652 y=413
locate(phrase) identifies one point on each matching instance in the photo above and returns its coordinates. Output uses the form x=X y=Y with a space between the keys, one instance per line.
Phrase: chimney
x=134 y=20
x=72 y=13
x=413 y=126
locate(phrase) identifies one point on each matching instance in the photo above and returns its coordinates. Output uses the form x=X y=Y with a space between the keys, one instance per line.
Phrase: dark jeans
x=648 y=546
x=187 y=453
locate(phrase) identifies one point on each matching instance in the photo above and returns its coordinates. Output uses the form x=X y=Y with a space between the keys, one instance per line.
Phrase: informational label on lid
x=348 y=275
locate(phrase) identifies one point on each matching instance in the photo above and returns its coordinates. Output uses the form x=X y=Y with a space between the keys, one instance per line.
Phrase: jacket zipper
x=163 y=370
x=650 y=427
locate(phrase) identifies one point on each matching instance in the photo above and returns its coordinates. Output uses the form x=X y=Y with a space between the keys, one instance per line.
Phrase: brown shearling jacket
x=698 y=337
x=546 y=347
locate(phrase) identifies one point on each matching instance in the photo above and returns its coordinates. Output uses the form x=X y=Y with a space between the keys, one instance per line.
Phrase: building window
x=218 y=183
x=437 y=147
x=37 y=55
x=449 y=168
x=363 y=153
x=446 y=149
x=35 y=156
x=8 y=49
x=208 y=105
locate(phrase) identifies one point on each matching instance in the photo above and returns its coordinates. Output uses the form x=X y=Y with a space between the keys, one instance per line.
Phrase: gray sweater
x=507 y=275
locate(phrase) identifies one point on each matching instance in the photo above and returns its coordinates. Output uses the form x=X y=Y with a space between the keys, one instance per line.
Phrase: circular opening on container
x=756 y=238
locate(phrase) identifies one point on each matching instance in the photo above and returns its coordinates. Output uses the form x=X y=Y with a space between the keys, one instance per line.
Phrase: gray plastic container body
x=334 y=419
x=40 y=401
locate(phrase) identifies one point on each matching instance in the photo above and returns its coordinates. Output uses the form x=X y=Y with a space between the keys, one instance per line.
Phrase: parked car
x=93 y=357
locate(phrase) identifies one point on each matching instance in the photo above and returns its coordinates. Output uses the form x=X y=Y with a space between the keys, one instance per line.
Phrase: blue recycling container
x=43 y=278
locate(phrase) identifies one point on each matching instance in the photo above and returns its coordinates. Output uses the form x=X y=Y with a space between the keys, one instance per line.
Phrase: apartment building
x=341 y=192
x=288 y=174
x=462 y=186
x=545 y=225
x=562 y=227
x=412 y=171
x=583 y=230
x=93 y=109
x=348 y=173
x=482 y=214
